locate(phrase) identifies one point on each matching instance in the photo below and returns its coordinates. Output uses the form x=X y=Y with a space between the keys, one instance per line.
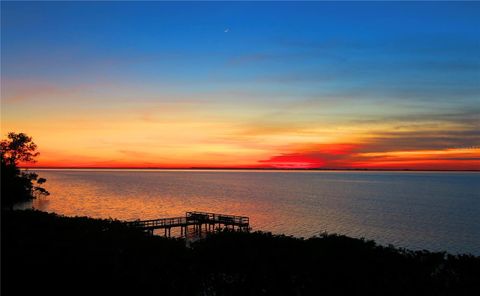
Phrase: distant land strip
x=246 y=169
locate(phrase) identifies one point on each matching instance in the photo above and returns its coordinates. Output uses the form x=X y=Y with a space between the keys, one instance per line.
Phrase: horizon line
x=248 y=169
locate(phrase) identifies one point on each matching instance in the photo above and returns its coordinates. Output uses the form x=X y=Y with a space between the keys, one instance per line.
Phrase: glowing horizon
x=244 y=85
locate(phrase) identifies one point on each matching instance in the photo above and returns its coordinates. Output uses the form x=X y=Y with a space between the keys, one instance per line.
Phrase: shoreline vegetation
x=52 y=254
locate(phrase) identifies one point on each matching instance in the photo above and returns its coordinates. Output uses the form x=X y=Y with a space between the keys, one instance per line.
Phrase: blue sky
x=183 y=41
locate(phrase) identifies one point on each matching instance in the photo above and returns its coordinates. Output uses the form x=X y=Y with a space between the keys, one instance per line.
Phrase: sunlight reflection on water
x=432 y=210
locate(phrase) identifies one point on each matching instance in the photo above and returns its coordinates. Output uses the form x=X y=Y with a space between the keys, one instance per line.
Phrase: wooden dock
x=198 y=220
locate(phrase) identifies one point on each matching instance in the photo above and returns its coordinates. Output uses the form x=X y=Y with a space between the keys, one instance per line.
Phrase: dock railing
x=206 y=217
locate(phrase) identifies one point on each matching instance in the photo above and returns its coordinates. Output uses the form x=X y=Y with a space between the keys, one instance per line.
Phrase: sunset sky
x=384 y=85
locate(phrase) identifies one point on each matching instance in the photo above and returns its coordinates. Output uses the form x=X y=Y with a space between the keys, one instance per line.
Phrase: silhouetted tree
x=19 y=185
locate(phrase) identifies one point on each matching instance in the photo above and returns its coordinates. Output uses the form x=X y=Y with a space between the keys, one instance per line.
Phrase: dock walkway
x=198 y=220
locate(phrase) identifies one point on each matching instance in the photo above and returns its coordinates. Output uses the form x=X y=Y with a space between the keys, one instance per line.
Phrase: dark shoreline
x=54 y=253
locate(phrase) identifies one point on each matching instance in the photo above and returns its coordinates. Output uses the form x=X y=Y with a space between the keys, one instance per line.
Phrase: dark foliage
x=18 y=185
x=48 y=254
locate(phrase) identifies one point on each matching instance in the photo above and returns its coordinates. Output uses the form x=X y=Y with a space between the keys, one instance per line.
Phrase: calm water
x=431 y=210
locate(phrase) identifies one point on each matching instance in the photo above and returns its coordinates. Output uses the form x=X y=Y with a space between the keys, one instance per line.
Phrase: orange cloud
x=313 y=156
x=347 y=156
x=441 y=159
